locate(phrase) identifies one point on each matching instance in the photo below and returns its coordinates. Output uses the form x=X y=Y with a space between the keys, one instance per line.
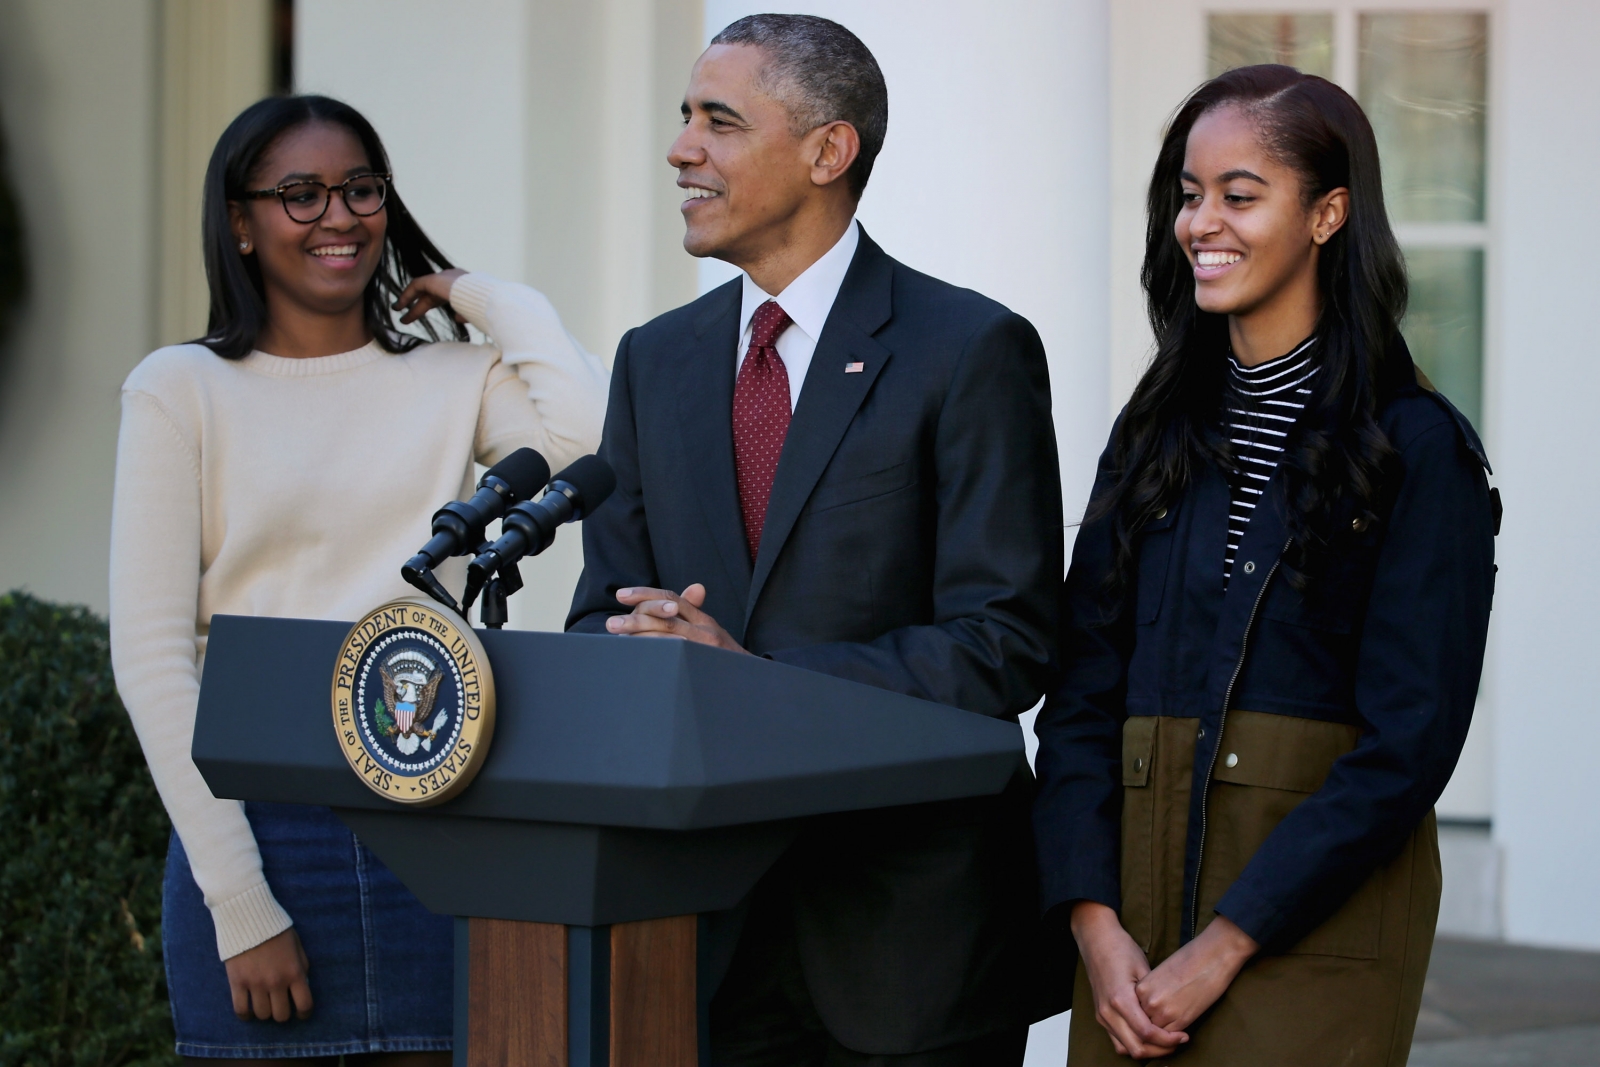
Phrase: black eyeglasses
x=363 y=194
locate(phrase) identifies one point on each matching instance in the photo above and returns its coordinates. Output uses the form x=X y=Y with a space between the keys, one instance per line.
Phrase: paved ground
x=1494 y=1005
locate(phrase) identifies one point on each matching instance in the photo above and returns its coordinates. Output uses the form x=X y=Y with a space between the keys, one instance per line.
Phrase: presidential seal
x=413 y=702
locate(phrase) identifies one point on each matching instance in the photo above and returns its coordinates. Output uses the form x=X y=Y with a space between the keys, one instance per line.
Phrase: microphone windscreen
x=592 y=477
x=524 y=470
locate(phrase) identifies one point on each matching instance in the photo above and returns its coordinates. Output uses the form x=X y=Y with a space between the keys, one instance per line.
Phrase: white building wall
x=993 y=174
x=444 y=84
x=1543 y=392
x=79 y=95
x=529 y=138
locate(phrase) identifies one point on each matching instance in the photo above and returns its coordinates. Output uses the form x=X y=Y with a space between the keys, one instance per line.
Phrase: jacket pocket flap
x=1138 y=746
x=849 y=490
x=1280 y=751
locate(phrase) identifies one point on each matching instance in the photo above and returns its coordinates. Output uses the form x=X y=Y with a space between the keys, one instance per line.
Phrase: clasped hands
x=663 y=613
x=1146 y=1012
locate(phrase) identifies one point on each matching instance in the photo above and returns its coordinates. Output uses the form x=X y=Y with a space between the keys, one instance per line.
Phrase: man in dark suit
x=844 y=465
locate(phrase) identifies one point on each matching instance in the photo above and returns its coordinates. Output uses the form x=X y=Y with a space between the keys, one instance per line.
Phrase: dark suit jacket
x=912 y=542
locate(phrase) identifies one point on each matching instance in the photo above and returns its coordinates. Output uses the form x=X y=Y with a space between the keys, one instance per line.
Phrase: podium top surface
x=602 y=730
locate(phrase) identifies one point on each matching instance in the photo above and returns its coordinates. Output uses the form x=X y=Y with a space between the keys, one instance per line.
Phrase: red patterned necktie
x=760 y=418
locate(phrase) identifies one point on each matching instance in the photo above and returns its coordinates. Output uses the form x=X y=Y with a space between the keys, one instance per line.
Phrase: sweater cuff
x=470 y=294
x=246 y=920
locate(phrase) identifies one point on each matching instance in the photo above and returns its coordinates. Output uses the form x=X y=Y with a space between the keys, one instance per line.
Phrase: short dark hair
x=238 y=298
x=822 y=73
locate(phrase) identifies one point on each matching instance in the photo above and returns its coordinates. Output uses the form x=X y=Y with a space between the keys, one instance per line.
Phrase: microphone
x=458 y=526
x=529 y=528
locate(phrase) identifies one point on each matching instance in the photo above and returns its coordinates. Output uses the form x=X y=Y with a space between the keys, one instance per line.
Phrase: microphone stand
x=493 y=613
x=506 y=581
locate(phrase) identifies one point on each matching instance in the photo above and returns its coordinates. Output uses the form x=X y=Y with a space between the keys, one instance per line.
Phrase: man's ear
x=832 y=147
x=1330 y=214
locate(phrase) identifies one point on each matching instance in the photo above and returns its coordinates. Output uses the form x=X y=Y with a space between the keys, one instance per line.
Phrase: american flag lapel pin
x=854 y=368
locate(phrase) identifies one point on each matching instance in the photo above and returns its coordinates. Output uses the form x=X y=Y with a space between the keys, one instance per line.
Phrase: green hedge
x=82 y=840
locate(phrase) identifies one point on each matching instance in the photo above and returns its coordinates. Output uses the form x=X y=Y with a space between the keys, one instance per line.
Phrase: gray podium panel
x=601 y=730
x=566 y=872
x=628 y=779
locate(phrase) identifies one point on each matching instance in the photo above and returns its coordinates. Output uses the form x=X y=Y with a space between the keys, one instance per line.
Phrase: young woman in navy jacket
x=1274 y=620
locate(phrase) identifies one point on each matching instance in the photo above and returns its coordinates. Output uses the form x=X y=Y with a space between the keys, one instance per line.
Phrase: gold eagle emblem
x=413 y=702
x=410 y=685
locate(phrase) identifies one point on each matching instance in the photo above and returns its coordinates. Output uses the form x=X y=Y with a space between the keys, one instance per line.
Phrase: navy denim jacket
x=1389 y=638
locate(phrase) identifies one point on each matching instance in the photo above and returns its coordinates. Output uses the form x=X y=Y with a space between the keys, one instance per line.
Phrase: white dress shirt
x=808 y=300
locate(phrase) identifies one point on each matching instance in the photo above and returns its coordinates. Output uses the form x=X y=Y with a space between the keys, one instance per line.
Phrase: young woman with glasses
x=286 y=464
x=1274 y=620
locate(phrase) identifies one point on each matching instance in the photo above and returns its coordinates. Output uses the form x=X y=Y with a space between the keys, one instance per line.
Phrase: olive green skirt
x=1347 y=995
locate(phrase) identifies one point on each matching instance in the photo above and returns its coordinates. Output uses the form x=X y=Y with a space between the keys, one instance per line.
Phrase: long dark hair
x=1339 y=457
x=238 y=299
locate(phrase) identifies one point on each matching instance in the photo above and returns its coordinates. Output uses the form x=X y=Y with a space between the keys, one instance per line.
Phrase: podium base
x=546 y=995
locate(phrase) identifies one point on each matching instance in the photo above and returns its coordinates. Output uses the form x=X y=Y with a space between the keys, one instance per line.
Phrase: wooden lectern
x=631 y=786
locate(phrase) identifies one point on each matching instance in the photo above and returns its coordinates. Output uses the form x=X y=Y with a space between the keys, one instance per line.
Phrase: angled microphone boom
x=528 y=529
x=458 y=526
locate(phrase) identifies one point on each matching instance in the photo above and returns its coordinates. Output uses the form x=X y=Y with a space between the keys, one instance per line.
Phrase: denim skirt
x=382 y=965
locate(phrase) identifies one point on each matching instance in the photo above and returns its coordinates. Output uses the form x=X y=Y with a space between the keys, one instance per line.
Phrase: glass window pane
x=1423 y=83
x=1302 y=41
x=1444 y=323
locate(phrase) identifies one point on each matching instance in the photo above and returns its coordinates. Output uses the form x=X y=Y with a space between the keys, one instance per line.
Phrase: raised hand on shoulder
x=271 y=980
x=426 y=293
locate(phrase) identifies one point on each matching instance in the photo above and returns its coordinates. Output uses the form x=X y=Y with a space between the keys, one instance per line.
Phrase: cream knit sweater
x=297 y=487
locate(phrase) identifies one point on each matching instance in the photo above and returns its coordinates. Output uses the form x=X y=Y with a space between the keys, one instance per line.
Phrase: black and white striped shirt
x=1262 y=405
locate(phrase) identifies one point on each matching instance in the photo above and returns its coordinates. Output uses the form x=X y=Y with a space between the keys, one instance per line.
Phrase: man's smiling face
x=743 y=169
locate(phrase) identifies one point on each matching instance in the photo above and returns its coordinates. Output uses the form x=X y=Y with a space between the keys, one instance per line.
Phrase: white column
x=1542 y=392
x=994 y=175
x=216 y=60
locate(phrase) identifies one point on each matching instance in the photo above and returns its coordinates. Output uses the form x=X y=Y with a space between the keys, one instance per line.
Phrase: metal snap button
x=1249 y=567
x=1358 y=524
x=1161 y=514
x=1232 y=760
x=1138 y=764
x=1202 y=733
